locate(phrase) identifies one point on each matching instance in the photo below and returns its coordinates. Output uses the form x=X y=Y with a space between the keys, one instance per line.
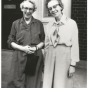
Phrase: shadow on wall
x=80 y=77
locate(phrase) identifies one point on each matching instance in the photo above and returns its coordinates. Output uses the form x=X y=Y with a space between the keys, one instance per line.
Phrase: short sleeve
x=12 y=36
x=42 y=33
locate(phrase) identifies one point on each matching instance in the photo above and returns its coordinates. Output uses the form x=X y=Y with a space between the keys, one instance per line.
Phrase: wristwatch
x=73 y=65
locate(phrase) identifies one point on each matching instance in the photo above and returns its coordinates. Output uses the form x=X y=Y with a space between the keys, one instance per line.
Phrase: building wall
x=79 y=13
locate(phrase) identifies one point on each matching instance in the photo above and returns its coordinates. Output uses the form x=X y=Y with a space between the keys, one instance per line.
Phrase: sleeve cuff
x=73 y=63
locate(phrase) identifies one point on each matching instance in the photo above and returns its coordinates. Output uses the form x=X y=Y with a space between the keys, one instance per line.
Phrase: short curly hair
x=59 y=1
x=31 y=1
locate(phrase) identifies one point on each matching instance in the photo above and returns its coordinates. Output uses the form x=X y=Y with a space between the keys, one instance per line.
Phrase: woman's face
x=54 y=8
x=28 y=10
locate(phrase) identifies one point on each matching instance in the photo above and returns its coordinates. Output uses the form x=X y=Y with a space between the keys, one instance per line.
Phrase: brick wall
x=79 y=14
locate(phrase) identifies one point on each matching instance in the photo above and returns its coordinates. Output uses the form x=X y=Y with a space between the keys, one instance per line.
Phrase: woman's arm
x=74 y=50
x=25 y=49
x=40 y=45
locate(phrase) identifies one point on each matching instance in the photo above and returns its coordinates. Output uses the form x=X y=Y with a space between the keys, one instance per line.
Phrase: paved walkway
x=80 y=77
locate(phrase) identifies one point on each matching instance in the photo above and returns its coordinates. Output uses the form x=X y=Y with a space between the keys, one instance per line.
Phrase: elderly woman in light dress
x=61 y=48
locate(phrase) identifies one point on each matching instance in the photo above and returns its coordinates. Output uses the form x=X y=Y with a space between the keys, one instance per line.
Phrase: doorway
x=10 y=12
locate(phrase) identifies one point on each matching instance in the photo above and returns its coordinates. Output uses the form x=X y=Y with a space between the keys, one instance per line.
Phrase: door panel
x=10 y=12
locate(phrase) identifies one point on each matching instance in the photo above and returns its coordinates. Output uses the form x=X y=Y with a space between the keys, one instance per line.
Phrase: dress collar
x=32 y=20
x=61 y=22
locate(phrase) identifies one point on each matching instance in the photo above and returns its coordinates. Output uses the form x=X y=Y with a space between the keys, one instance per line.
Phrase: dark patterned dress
x=25 y=34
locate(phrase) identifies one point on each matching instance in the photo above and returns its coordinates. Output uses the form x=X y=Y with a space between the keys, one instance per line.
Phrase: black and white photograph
x=43 y=43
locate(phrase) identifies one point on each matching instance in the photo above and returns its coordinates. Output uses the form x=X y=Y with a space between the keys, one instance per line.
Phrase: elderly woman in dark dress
x=26 y=38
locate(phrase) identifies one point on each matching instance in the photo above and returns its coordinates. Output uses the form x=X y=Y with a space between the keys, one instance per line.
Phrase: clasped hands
x=29 y=50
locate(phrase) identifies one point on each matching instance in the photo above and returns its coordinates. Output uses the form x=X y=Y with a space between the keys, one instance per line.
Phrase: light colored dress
x=61 y=50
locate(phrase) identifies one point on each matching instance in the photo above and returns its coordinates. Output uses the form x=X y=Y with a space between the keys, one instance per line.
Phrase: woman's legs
x=62 y=63
x=48 y=68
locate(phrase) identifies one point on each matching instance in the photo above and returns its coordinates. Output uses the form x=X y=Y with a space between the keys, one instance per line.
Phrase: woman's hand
x=33 y=49
x=27 y=49
x=71 y=71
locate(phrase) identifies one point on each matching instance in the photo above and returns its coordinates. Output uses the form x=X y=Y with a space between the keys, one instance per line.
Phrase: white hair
x=31 y=1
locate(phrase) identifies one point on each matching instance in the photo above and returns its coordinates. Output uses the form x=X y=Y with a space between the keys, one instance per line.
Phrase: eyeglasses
x=54 y=7
x=26 y=8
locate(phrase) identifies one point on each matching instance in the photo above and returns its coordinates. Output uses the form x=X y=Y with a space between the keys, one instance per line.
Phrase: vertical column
x=36 y=13
x=67 y=7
